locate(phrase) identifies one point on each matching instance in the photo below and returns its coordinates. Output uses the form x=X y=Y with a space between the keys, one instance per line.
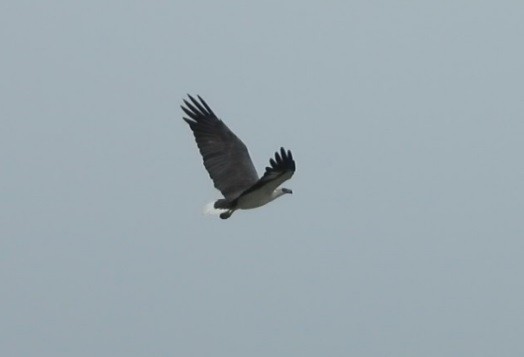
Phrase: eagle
x=229 y=165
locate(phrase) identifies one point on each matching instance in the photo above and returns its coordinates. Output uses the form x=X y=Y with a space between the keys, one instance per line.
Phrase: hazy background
x=404 y=236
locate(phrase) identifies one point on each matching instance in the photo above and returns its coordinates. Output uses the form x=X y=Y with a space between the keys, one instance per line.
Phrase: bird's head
x=280 y=192
x=286 y=190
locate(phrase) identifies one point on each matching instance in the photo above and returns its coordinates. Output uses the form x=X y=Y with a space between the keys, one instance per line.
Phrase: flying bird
x=229 y=165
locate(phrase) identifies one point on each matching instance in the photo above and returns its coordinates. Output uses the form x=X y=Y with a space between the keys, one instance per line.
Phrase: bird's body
x=229 y=165
x=258 y=198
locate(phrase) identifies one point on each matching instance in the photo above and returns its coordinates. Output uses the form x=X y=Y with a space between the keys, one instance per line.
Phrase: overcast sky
x=404 y=235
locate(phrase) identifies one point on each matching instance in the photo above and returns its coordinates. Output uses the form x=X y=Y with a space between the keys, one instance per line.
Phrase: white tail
x=209 y=209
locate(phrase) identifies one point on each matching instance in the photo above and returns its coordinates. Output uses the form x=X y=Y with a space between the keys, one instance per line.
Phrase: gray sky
x=404 y=236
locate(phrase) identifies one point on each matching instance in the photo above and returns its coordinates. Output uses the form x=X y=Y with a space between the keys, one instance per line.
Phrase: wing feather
x=281 y=169
x=225 y=156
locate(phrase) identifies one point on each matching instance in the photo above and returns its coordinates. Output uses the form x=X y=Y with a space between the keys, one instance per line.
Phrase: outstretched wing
x=281 y=169
x=225 y=156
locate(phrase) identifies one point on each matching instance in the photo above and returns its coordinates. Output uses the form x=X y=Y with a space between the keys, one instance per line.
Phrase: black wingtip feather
x=187 y=111
x=205 y=105
x=198 y=105
x=198 y=111
x=283 y=161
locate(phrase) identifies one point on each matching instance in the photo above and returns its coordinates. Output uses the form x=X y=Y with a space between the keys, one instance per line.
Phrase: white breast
x=257 y=198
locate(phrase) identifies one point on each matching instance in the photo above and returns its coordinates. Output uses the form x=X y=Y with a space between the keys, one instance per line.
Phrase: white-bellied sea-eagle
x=227 y=161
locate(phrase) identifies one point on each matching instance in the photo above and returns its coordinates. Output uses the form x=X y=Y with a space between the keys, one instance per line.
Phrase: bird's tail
x=217 y=207
x=209 y=209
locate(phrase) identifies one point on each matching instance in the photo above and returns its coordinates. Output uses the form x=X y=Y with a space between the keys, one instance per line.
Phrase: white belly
x=255 y=199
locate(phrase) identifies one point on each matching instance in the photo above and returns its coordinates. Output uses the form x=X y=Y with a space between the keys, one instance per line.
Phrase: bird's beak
x=286 y=190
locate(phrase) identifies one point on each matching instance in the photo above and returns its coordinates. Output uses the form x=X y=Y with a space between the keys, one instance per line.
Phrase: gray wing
x=225 y=156
x=281 y=169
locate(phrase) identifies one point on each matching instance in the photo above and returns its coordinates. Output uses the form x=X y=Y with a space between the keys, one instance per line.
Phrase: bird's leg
x=227 y=214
